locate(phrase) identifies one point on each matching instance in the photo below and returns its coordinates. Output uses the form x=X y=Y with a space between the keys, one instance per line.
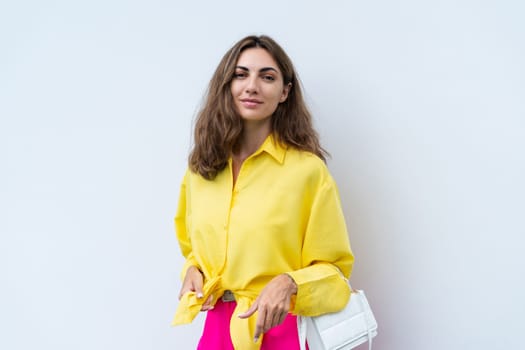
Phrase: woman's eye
x=239 y=75
x=268 y=77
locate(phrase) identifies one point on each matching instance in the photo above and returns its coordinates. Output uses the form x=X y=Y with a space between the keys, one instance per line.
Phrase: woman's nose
x=251 y=85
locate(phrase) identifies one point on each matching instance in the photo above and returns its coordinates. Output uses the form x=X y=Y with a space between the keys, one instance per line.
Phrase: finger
x=197 y=287
x=187 y=286
x=275 y=318
x=208 y=304
x=250 y=311
x=272 y=320
x=282 y=318
x=259 y=325
x=182 y=292
x=192 y=281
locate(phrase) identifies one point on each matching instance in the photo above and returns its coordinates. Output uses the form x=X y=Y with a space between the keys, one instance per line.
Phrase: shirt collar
x=273 y=148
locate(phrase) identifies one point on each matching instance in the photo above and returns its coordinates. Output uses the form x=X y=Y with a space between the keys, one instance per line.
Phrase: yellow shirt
x=283 y=216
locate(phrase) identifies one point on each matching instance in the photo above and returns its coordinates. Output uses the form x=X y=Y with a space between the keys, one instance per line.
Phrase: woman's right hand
x=193 y=282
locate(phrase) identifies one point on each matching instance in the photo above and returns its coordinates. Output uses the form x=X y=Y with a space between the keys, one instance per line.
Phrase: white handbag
x=342 y=330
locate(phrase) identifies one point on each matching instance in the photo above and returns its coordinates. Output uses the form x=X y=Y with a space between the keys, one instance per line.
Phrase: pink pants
x=216 y=334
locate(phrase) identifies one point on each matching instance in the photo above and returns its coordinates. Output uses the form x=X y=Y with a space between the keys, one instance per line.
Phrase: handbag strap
x=301 y=331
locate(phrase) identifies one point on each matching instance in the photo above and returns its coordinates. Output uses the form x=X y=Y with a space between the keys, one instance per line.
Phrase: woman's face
x=257 y=86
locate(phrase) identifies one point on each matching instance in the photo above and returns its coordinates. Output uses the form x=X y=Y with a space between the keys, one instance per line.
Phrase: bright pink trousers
x=216 y=333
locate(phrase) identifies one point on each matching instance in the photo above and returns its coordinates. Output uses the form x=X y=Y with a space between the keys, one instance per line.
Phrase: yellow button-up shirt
x=282 y=216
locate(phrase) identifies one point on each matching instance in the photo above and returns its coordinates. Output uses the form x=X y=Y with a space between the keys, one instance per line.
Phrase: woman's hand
x=193 y=282
x=273 y=304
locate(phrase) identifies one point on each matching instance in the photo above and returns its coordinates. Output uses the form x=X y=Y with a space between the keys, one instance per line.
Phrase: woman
x=259 y=218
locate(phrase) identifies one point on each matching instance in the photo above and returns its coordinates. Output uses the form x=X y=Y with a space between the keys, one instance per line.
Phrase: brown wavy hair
x=219 y=126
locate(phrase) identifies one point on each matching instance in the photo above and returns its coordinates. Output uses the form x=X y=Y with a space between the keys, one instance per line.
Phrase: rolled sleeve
x=181 y=229
x=326 y=254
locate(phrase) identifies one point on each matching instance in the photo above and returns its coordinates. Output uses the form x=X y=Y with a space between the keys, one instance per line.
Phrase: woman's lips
x=249 y=103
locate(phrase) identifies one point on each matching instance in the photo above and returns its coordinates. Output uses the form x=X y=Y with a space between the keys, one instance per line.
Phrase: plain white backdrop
x=421 y=104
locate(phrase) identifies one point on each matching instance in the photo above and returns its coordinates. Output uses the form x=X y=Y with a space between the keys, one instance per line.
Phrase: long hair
x=219 y=126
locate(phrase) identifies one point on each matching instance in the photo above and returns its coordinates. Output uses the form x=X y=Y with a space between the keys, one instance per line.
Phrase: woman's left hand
x=273 y=304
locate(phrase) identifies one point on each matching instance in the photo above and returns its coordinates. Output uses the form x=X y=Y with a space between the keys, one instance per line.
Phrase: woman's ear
x=286 y=91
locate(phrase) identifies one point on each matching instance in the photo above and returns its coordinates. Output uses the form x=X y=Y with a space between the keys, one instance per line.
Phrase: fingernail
x=199 y=295
x=255 y=339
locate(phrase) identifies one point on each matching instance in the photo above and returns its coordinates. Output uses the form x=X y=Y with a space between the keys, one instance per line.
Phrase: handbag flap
x=346 y=329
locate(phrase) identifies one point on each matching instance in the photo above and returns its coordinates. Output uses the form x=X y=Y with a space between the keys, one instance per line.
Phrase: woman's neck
x=252 y=138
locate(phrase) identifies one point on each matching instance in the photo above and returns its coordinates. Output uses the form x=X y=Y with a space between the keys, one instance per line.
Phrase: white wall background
x=421 y=103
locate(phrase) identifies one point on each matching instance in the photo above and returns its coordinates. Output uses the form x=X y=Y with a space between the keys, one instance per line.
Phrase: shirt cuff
x=320 y=289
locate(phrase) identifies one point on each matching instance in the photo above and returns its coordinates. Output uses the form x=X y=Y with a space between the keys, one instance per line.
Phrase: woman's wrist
x=292 y=283
x=194 y=268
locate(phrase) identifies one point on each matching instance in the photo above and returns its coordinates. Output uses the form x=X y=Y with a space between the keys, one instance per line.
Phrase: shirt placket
x=235 y=189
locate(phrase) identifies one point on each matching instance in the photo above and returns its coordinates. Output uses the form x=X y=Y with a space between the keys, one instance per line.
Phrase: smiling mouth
x=250 y=103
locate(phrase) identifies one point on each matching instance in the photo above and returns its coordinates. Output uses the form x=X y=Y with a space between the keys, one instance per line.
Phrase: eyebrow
x=262 y=70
